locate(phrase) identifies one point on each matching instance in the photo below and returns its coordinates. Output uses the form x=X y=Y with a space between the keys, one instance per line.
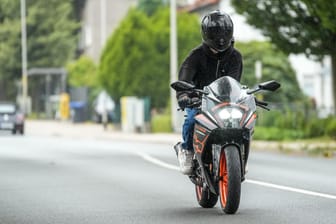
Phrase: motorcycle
x=222 y=135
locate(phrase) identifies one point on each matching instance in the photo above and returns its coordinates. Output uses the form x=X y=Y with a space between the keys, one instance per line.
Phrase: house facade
x=99 y=19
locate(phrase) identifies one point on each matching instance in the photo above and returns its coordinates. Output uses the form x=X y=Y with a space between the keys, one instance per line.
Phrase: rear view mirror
x=182 y=86
x=269 y=85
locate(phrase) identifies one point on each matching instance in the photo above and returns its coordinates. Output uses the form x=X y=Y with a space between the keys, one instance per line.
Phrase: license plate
x=7 y=125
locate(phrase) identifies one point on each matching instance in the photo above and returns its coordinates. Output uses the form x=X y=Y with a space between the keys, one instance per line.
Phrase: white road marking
x=157 y=161
x=292 y=189
x=260 y=183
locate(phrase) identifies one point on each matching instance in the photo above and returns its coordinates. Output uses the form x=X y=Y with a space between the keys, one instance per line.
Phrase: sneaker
x=185 y=158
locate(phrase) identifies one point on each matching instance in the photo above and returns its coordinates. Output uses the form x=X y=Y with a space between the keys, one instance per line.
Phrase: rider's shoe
x=185 y=158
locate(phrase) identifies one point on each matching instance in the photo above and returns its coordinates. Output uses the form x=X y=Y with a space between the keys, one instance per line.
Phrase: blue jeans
x=188 y=129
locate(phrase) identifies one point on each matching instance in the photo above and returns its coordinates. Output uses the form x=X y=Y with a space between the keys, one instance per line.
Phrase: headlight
x=224 y=114
x=230 y=113
x=236 y=114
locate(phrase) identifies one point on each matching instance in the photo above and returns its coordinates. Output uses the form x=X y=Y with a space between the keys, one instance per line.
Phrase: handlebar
x=262 y=104
x=196 y=102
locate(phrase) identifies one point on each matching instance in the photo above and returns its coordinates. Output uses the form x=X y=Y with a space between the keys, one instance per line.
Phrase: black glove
x=183 y=100
x=196 y=101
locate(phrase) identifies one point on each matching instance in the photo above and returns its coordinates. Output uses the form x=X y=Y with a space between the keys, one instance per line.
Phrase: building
x=315 y=81
x=99 y=18
x=201 y=6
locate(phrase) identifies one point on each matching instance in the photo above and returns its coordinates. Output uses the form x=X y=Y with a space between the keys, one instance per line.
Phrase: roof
x=199 y=5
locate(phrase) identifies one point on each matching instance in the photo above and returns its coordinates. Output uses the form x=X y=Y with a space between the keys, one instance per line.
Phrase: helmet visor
x=219 y=42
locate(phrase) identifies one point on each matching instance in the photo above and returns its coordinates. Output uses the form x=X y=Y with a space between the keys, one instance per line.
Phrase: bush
x=277 y=134
x=318 y=127
x=284 y=118
x=331 y=129
x=161 y=123
x=266 y=118
x=314 y=128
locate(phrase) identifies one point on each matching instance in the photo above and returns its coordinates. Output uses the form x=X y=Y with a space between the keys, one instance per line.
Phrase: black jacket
x=202 y=66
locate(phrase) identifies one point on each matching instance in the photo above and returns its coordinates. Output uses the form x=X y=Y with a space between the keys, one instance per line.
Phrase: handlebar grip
x=195 y=99
x=195 y=102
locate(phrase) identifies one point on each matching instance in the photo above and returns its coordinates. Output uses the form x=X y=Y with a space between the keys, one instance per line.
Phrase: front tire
x=230 y=179
x=205 y=197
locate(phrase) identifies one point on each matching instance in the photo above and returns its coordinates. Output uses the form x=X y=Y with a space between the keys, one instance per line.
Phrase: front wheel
x=205 y=197
x=230 y=179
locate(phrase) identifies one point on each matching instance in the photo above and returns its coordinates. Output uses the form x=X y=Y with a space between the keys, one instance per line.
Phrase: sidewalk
x=93 y=130
x=96 y=131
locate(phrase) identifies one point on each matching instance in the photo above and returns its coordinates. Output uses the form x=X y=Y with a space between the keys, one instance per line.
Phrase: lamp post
x=24 y=57
x=173 y=63
x=258 y=70
x=102 y=22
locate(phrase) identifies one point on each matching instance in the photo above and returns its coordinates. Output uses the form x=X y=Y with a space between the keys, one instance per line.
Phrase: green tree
x=150 y=6
x=82 y=72
x=275 y=66
x=51 y=38
x=51 y=28
x=10 y=53
x=135 y=60
x=295 y=26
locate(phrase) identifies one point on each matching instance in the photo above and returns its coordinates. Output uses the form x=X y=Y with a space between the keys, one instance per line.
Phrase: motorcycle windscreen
x=226 y=89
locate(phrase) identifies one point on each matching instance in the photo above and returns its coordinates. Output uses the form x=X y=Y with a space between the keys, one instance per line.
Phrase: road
x=77 y=180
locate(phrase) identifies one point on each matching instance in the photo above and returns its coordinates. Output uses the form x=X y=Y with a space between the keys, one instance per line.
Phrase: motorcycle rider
x=214 y=58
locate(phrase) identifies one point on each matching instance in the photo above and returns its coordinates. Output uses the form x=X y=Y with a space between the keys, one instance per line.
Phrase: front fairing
x=226 y=89
x=228 y=105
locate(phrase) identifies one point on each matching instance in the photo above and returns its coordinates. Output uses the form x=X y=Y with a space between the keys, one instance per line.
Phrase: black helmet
x=217 y=30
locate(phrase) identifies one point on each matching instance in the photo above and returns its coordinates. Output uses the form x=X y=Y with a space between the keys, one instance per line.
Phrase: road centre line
x=260 y=183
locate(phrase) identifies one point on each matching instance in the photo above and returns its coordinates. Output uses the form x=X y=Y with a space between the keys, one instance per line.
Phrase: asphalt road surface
x=61 y=180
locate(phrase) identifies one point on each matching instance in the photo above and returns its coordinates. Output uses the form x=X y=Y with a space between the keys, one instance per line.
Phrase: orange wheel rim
x=223 y=183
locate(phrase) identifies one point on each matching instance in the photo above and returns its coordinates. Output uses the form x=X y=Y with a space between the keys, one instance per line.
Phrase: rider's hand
x=196 y=101
x=183 y=101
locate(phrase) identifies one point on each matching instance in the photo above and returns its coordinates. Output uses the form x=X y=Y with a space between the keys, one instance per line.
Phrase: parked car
x=11 y=118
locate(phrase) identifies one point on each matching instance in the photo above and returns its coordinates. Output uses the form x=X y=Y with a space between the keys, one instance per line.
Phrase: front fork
x=211 y=181
x=216 y=153
x=210 y=178
x=206 y=178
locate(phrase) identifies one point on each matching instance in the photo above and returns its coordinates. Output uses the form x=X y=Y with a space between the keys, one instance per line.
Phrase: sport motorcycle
x=222 y=136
